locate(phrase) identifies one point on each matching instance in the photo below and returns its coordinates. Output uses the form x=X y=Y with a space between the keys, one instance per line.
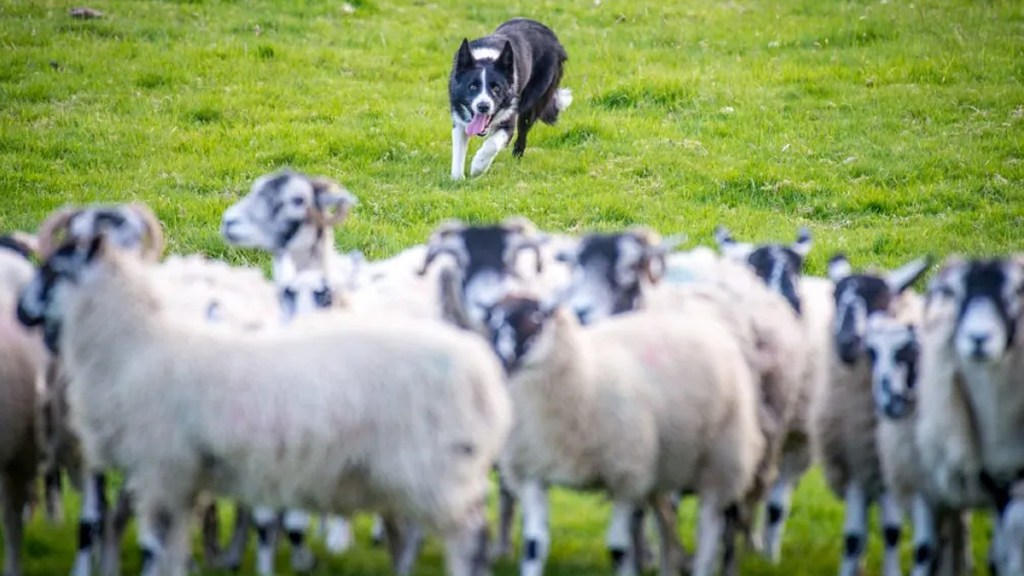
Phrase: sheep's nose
x=848 y=346
x=979 y=341
x=584 y=314
x=483 y=107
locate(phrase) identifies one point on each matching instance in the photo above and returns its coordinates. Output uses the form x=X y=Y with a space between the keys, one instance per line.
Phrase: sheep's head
x=893 y=349
x=486 y=258
x=128 y=226
x=286 y=211
x=40 y=303
x=609 y=270
x=987 y=295
x=860 y=296
x=779 y=265
x=519 y=331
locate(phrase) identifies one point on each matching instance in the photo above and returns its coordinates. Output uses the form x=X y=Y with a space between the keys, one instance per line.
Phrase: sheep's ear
x=464 y=57
x=728 y=245
x=839 y=268
x=901 y=278
x=802 y=246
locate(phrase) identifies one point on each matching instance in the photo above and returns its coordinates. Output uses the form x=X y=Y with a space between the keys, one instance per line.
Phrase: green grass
x=889 y=128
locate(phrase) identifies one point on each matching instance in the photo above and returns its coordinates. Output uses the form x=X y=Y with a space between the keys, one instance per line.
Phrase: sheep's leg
x=231 y=557
x=295 y=525
x=15 y=494
x=377 y=530
x=533 y=497
x=952 y=543
x=731 y=532
x=506 y=514
x=854 y=530
x=466 y=549
x=712 y=528
x=622 y=539
x=404 y=538
x=673 y=557
x=337 y=533
x=211 y=532
x=164 y=540
x=53 y=491
x=924 y=536
x=892 y=528
x=113 y=534
x=266 y=538
x=90 y=522
x=775 y=515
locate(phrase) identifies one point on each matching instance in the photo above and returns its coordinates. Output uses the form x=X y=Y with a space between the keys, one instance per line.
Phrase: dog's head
x=482 y=84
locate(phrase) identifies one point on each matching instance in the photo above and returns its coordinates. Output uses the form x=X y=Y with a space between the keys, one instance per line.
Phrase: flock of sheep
x=605 y=362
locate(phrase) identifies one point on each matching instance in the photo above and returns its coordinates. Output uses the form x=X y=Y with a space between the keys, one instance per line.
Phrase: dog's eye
x=495 y=88
x=298 y=201
x=474 y=86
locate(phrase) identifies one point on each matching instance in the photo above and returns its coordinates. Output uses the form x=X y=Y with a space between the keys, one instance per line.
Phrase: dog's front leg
x=491 y=147
x=460 y=143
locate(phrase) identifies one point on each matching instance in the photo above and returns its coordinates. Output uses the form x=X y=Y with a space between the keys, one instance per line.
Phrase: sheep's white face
x=988 y=295
x=858 y=297
x=41 y=301
x=277 y=214
x=607 y=271
x=518 y=333
x=487 y=258
x=779 y=266
x=893 y=350
x=307 y=292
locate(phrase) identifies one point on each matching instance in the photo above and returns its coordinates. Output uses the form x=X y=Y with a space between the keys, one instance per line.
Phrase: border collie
x=502 y=83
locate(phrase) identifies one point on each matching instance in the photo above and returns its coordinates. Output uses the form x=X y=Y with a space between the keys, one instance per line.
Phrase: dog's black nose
x=483 y=107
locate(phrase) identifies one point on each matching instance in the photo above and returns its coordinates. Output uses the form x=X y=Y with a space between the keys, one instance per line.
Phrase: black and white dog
x=502 y=83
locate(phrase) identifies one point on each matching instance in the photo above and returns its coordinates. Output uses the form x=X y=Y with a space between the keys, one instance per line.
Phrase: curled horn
x=527 y=238
x=650 y=241
x=320 y=213
x=54 y=228
x=155 y=233
x=438 y=243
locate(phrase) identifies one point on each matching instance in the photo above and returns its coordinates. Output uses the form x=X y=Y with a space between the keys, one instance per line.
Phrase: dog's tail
x=561 y=101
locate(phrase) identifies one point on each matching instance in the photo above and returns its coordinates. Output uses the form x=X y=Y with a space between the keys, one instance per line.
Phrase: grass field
x=889 y=128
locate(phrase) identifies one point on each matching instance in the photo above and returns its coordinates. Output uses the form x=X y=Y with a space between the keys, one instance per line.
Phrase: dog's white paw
x=457 y=175
x=481 y=163
x=563 y=98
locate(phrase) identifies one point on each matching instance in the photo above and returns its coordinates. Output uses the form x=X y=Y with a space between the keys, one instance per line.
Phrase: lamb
x=970 y=433
x=843 y=416
x=398 y=455
x=780 y=267
x=22 y=364
x=683 y=403
x=893 y=349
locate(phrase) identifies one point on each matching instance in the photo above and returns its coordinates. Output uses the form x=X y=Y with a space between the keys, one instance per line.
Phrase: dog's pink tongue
x=476 y=125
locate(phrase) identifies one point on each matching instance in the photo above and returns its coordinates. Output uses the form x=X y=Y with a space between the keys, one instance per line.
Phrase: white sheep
x=617 y=273
x=22 y=365
x=970 y=431
x=843 y=416
x=400 y=416
x=780 y=267
x=638 y=406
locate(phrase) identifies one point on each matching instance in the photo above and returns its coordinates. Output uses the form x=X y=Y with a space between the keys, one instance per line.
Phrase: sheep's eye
x=298 y=201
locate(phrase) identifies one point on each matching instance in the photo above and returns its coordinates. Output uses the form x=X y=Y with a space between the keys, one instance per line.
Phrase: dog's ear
x=464 y=58
x=506 y=60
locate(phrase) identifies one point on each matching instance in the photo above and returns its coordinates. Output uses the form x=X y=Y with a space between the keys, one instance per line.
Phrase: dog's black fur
x=522 y=63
